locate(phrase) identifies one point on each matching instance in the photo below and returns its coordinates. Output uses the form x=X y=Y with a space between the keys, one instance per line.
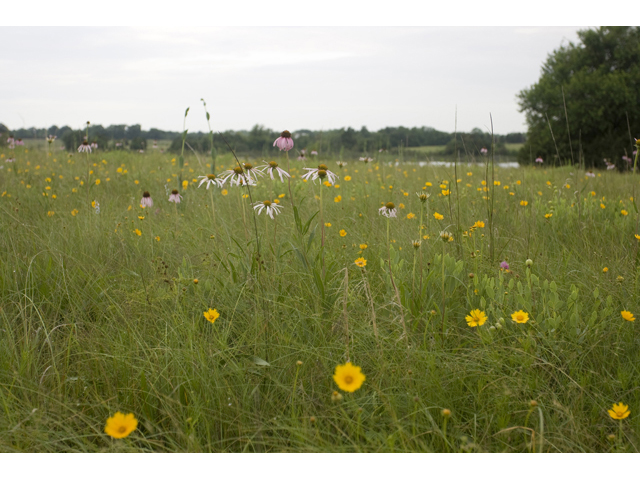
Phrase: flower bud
x=533 y=404
x=528 y=263
x=446 y=413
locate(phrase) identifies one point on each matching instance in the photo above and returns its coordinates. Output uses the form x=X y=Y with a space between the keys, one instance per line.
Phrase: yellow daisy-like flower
x=137 y=232
x=476 y=318
x=361 y=262
x=98 y=181
x=437 y=216
x=50 y=213
x=211 y=315
x=327 y=225
x=605 y=270
x=343 y=233
x=363 y=246
x=337 y=199
x=603 y=206
x=224 y=192
x=74 y=212
x=624 y=212
x=627 y=316
x=548 y=215
x=520 y=317
x=281 y=195
x=637 y=237
x=410 y=216
x=619 y=411
x=121 y=425
x=347 y=178
x=157 y=239
x=478 y=224
x=349 y=377
x=524 y=203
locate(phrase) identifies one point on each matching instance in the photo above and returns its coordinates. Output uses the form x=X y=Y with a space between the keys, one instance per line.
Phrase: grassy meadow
x=102 y=307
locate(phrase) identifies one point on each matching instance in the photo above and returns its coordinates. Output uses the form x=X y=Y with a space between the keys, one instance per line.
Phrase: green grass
x=95 y=319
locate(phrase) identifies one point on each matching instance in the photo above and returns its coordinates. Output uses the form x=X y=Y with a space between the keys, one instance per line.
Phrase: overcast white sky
x=283 y=78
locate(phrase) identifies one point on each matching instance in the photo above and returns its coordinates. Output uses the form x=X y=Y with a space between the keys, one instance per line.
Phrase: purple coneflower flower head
x=284 y=141
x=85 y=147
x=626 y=159
x=273 y=167
x=118 y=145
x=10 y=160
x=504 y=265
x=19 y=143
x=590 y=174
x=175 y=196
x=483 y=151
x=146 y=200
x=313 y=152
x=268 y=206
x=321 y=173
x=10 y=139
x=94 y=145
x=211 y=179
x=389 y=210
x=539 y=160
x=610 y=166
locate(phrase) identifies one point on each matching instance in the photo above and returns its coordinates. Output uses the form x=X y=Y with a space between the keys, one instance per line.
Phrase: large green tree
x=600 y=78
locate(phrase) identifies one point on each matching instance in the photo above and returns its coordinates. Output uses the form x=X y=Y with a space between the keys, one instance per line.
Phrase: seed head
x=146 y=194
x=390 y=206
x=267 y=203
x=446 y=413
x=322 y=173
x=273 y=164
x=238 y=170
x=322 y=166
x=174 y=192
x=286 y=134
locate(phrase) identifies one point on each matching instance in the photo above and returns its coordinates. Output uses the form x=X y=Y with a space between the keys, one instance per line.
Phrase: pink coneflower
x=539 y=160
x=118 y=145
x=94 y=145
x=273 y=167
x=301 y=156
x=313 y=152
x=626 y=159
x=146 y=200
x=10 y=139
x=321 y=173
x=610 y=166
x=284 y=141
x=19 y=143
x=504 y=265
x=174 y=197
x=85 y=147
x=10 y=160
x=483 y=151
x=590 y=174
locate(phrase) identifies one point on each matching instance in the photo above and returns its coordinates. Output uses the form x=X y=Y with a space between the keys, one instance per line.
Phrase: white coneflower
x=301 y=156
x=175 y=196
x=320 y=173
x=389 y=210
x=446 y=236
x=237 y=177
x=252 y=172
x=269 y=206
x=273 y=167
x=341 y=164
x=366 y=159
x=423 y=196
x=211 y=179
x=118 y=145
x=51 y=139
x=146 y=200
x=416 y=243
x=94 y=145
x=10 y=160
x=85 y=147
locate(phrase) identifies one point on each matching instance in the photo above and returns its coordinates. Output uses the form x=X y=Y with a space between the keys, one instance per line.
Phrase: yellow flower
x=469 y=174
x=74 y=212
x=157 y=239
x=337 y=199
x=211 y=315
x=281 y=195
x=140 y=218
x=520 y=317
x=496 y=183
x=401 y=205
x=437 y=216
x=637 y=237
x=624 y=212
x=548 y=215
x=446 y=192
x=627 y=316
x=185 y=184
x=428 y=184
x=605 y=270
x=603 y=206
x=476 y=318
x=410 y=216
x=524 y=203
x=363 y=246
x=347 y=178
x=361 y=262
x=224 y=192
x=568 y=186
x=619 y=411
x=50 y=214
x=327 y=225
x=425 y=237
x=98 y=181
x=121 y=425
x=593 y=194
x=478 y=224
x=343 y=233
x=349 y=377
x=137 y=232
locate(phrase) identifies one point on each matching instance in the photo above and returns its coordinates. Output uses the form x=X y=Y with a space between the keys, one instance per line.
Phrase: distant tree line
x=259 y=140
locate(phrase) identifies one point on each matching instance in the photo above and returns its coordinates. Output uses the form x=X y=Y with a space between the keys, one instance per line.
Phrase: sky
x=279 y=77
